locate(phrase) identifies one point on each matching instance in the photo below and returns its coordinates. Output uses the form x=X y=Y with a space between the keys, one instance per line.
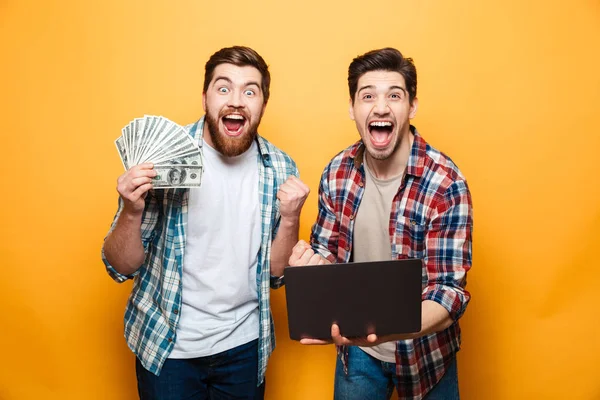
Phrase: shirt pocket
x=409 y=239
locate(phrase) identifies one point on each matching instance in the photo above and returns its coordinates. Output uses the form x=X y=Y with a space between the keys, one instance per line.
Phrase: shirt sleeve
x=148 y=231
x=325 y=231
x=291 y=169
x=448 y=250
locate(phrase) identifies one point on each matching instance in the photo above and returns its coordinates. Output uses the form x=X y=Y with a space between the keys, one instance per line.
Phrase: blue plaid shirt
x=152 y=312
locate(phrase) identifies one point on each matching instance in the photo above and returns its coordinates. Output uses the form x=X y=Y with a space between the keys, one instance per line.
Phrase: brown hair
x=387 y=59
x=240 y=56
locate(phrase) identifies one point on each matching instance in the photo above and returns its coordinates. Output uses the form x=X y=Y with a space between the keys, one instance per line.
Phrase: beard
x=382 y=154
x=230 y=146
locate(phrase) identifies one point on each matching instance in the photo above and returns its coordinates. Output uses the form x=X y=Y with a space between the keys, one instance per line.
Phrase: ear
x=351 y=109
x=204 y=101
x=413 y=108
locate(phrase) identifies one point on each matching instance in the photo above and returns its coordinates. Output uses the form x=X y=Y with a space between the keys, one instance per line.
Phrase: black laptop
x=381 y=297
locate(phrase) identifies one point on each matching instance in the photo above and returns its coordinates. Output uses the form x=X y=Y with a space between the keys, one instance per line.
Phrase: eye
x=249 y=92
x=223 y=90
x=367 y=97
x=396 y=96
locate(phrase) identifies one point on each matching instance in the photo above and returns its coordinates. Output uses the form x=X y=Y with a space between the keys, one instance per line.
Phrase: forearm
x=123 y=247
x=434 y=318
x=448 y=258
x=281 y=249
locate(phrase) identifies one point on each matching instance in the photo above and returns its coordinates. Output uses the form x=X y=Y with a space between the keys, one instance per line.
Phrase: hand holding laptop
x=302 y=255
x=349 y=303
x=339 y=340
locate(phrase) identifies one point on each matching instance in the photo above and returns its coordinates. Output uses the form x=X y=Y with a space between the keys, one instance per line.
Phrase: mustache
x=240 y=110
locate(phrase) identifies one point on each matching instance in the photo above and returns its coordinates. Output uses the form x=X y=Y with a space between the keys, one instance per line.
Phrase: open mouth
x=233 y=123
x=380 y=132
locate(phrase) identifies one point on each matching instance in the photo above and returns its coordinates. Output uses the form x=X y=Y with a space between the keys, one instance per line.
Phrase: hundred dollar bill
x=120 y=143
x=152 y=132
x=158 y=126
x=134 y=145
x=177 y=142
x=177 y=175
x=192 y=157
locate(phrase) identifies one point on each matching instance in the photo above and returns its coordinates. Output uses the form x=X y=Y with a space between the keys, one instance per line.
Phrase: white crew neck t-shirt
x=220 y=293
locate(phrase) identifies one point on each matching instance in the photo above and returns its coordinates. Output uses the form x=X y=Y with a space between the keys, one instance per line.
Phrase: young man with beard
x=391 y=195
x=203 y=260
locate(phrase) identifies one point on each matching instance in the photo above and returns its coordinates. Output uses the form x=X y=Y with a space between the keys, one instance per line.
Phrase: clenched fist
x=303 y=254
x=292 y=195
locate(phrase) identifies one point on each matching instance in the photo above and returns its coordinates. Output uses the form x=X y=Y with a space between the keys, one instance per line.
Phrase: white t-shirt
x=220 y=293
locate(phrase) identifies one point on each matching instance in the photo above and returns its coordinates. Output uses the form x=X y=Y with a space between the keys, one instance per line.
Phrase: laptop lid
x=381 y=297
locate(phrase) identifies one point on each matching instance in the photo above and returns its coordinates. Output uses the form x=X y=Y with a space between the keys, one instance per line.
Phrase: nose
x=381 y=106
x=235 y=99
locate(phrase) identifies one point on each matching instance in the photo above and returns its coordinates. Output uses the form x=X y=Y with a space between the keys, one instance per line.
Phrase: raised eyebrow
x=365 y=87
x=224 y=78
x=398 y=87
x=252 y=83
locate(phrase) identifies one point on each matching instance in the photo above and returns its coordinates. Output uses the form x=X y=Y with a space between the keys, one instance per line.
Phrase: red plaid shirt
x=431 y=219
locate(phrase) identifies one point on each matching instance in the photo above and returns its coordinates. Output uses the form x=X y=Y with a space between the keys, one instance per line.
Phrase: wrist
x=128 y=215
x=289 y=221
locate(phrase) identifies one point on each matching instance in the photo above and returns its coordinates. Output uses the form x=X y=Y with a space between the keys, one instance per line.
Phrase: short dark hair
x=387 y=59
x=242 y=57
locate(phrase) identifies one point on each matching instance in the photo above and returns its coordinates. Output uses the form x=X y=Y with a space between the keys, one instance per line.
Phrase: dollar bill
x=176 y=141
x=152 y=132
x=191 y=158
x=177 y=175
x=134 y=145
x=120 y=143
x=175 y=154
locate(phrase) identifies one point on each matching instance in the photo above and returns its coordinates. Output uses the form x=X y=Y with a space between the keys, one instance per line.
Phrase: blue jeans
x=371 y=379
x=232 y=374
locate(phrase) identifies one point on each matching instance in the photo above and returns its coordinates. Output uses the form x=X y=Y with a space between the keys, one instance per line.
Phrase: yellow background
x=509 y=89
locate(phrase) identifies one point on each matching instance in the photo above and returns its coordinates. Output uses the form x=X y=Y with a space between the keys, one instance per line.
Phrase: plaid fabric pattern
x=431 y=219
x=152 y=311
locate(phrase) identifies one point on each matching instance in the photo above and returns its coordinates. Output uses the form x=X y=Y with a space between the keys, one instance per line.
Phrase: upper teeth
x=380 y=123
x=234 y=116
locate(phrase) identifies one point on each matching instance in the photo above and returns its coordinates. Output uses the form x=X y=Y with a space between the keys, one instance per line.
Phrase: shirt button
x=175 y=311
x=347 y=248
x=170 y=340
x=361 y=184
x=351 y=217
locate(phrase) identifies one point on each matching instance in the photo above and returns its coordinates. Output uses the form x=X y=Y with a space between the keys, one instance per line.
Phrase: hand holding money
x=174 y=153
x=133 y=187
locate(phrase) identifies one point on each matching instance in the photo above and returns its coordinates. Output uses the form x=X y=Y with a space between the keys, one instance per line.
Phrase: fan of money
x=175 y=154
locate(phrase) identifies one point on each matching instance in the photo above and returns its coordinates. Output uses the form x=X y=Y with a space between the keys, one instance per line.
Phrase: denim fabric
x=231 y=374
x=371 y=379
